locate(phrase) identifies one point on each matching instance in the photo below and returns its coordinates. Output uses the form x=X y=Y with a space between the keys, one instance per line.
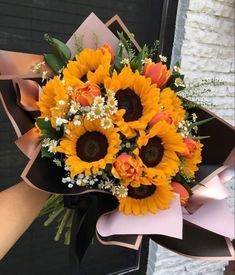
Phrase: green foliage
x=45 y=153
x=137 y=62
x=152 y=50
x=47 y=131
x=118 y=58
x=59 y=56
x=201 y=122
x=54 y=62
x=126 y=43
x=54 y=206
x=78 y=42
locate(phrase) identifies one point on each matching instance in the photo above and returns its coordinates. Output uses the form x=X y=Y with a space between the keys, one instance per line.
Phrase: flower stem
x=62 y=224
x=68 y=232
x=53 y=216
x=51 y=203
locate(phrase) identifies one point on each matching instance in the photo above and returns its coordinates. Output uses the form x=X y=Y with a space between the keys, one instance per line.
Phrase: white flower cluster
x=177 y=69
x=105 y=183
x=37 y=67
x=80 y=180
x=194 y=117
x=146 y=60
x=73 y=108
x=60 y=121
x=125 y=61
x=163 y=58
x=50 y=144
x=102 y=109
x=179 y=82
x=109 y=185
x=57 y=162
x=186 y=126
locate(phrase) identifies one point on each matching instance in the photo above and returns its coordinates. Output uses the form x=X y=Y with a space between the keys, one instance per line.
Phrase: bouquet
x=123 y=154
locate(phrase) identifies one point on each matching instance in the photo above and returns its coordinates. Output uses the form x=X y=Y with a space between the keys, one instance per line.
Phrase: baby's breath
x=50 y=144
x=125 y=61
x=179 y=82
x=163 y=58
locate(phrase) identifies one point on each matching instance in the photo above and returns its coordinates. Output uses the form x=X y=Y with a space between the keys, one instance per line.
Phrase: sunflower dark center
x=141 y=192
x=91 y=146
x=152 y=153
x=130 y=101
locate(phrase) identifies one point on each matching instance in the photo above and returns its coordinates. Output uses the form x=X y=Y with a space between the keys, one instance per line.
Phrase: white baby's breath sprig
x=146 y=60
x=60 y=121
x=163 y=58
x=74 y=108
x=37 y=67
x=184 y=128
x=177 y=69
x=57 y=162
x=194 y=117
x=45 y=75
x=179 y=82
x=50 y=144
x=69 y=180
x=125 y=61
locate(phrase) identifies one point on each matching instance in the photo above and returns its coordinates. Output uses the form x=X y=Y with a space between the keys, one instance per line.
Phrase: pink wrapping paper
x=14 y=64
x=166 y=222
x=214 y=216
x=92 y=30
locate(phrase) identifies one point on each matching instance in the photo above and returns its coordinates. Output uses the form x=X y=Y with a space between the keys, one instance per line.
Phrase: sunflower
x=158 y=149
x=91 y=65
x=189 y=164
x=89 y=147
x=146 y=198
x=136 y=97
x=171 y=103
x=53 y=101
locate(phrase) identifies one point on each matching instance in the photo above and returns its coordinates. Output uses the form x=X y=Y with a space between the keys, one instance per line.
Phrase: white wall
x=204 y=45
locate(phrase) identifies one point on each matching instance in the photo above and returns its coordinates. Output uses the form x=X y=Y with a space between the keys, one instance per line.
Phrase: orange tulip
x=157 y=72
x=191 y=148
x=86 y=94
x=159 y=117
x=127 y=168
x=105 y=47
x=179 y=189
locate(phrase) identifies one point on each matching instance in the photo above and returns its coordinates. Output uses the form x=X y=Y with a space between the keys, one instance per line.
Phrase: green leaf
x=45 y=153
x=199 y=137
x=54 y=62
x=118 y=58
x=47 y=130
x=60 y=49
x=43 y=124
x=200 y=122
x=123 y=41
x=137 y=63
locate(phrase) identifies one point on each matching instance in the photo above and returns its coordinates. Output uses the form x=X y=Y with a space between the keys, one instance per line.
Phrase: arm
x=19 y=206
